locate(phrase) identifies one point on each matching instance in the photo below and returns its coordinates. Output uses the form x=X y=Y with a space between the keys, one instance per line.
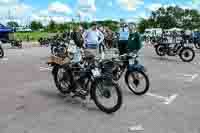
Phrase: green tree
x=52 y=26
x=36 y=25
x=13 y=24
x=171 y=17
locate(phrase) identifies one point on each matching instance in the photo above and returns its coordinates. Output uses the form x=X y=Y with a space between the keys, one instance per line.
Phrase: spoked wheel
x=197 y=45
x=160 y=50
x=62 y=79
x=187 y=54
x=1 y=52
x=107 y=96
x=137 y=82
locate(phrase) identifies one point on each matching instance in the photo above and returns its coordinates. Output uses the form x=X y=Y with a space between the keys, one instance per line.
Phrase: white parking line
x=193 y=77
x=190 y=77
x=45 y=69
x=171 y=99
x=5 y=59
x=136 y=128
x=166 y=100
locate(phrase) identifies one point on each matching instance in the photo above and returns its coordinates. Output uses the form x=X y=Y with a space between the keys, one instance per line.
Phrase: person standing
x=123 y=39
x=93 y=38
x=77 y=37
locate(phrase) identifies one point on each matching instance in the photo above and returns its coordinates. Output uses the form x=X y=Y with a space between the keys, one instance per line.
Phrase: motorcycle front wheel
x=137 y=82
x=187 y=54
x=103 y=95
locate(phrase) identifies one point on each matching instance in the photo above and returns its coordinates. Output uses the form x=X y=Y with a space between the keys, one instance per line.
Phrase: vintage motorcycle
x=135 y=73
x=185 y=53
x=84 y=79
x=16 y=43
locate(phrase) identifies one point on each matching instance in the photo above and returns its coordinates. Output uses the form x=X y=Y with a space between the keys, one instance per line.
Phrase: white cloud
x=61 y=19
x=130 y=5
x=58 y=7
x=17 y=10
x=154 y=7
x=87 y=5
x=8 y=2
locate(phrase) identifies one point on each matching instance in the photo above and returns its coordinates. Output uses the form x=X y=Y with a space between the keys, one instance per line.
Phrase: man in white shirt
x=123 y=38
x=93 y=38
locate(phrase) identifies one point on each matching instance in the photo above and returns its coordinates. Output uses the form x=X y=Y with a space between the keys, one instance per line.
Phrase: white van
x=153 y=32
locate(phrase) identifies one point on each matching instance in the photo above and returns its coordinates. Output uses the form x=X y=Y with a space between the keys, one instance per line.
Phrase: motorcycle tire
x=103 y=108
x=1 y=52
x=197 y=45
x=160 y=50
x=60 y=88
x=146 y=88
x=182 y=54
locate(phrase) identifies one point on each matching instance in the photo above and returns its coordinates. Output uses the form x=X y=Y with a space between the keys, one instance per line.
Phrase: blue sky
x=65 y=10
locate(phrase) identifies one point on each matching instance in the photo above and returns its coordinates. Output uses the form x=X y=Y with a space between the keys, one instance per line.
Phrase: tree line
x=67 y=26
x=170 y=17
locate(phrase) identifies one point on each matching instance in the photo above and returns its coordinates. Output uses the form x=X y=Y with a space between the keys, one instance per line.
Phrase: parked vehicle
x=85 y=76
x=129 y=64
x=185 y=53
x=16 y=43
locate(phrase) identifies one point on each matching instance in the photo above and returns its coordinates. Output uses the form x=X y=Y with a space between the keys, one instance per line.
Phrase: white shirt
x=93 y=37
x=123 y=35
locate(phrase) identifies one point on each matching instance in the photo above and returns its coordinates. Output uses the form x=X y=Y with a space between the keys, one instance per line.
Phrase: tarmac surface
x=30 y=102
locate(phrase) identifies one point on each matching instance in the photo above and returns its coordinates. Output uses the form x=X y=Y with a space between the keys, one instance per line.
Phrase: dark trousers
x=123 y=46
x=101 y=46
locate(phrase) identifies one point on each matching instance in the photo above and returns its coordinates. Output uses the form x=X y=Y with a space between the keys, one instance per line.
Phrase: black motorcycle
x=16 y=43
x=185 y=53
x=84 y=79
x=1 y=52
x=135 y=73
x=44 y=42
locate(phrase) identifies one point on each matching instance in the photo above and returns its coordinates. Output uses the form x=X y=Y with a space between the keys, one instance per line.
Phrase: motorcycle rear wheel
x=160 y=50
x=63 y=85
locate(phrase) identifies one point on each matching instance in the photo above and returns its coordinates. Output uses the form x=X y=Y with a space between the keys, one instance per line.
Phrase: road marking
x=136 y=128
x=5 y=59
x=45 y=68
x=190 y=77
x=193 y=77
x=167 y=100
x=156 y=96
x=171 y=99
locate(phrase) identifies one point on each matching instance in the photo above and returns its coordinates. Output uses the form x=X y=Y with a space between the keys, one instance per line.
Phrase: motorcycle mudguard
x=138 y=67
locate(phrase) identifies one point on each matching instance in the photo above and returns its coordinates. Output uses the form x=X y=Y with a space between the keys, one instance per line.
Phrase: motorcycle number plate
x=131 y=61
x=96 y=72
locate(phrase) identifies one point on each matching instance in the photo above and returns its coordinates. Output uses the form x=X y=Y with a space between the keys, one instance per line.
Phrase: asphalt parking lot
x=30 y=103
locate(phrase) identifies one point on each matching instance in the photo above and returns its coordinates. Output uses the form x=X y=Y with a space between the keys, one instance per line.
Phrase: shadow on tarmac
x=75 y=103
